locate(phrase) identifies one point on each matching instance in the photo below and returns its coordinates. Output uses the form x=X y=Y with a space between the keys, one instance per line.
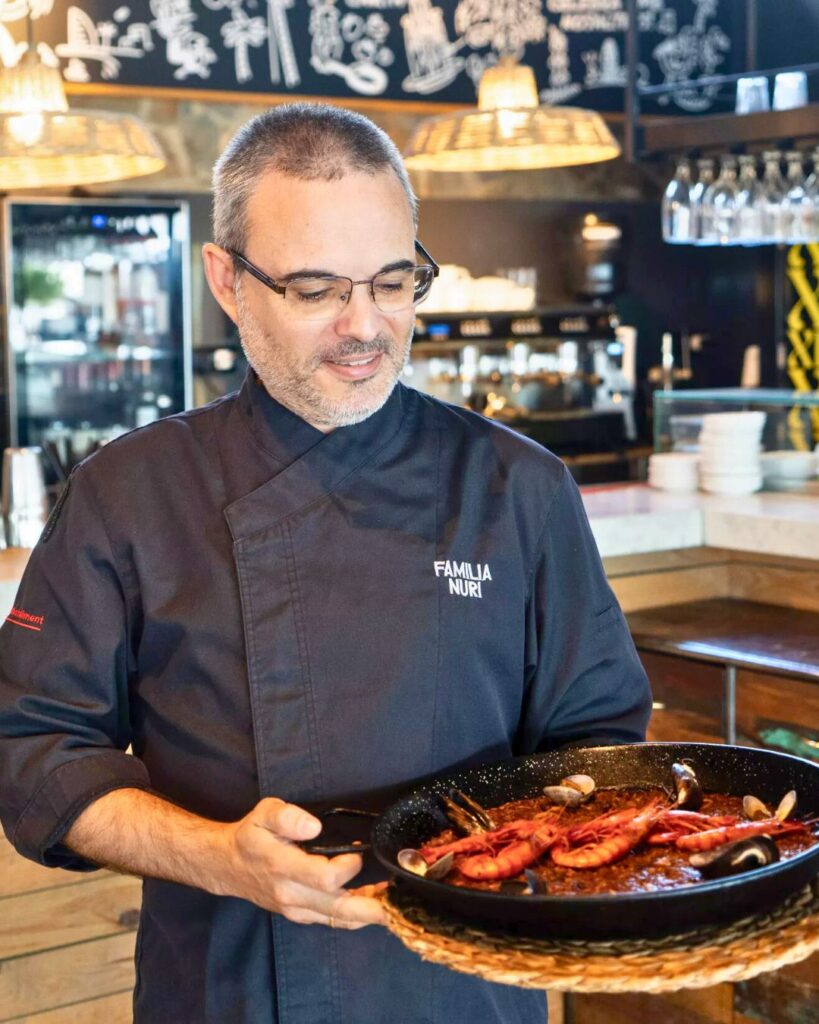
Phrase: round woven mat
x=695 y=959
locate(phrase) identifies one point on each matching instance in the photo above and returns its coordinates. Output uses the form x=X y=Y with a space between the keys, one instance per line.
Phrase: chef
x=317 y=590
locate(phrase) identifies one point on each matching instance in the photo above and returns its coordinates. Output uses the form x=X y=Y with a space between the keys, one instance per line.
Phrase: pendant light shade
x=509 y=131
x=45 y=144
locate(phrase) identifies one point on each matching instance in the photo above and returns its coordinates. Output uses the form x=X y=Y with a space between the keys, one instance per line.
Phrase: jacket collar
x=308 y=463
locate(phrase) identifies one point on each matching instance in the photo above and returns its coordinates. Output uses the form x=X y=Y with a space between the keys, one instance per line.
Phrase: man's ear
x=221 y=274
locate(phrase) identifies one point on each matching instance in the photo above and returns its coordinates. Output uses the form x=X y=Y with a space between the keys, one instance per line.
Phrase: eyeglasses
x=324 y=296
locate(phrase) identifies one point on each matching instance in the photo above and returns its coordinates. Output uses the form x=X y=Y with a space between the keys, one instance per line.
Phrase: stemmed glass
x=749 y=204
x=676 y=206
x=812 y=197
x=774 y=189
x=795 y=205
x=705 y=179
x=719 y=205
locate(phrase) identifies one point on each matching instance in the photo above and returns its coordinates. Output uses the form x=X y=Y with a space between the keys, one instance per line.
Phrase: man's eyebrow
x=297 y=275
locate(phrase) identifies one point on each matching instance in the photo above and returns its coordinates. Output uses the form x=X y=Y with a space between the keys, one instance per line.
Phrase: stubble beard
x=291 y=382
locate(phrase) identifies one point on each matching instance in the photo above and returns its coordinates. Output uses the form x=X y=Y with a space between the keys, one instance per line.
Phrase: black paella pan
x=415 y=818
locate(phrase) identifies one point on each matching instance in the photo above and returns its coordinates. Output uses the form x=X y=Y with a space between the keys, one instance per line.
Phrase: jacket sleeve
x=64 y=670
x=585 y=684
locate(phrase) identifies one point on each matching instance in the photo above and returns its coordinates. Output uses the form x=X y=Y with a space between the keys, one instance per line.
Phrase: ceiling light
x=509 y=131
x=45 y=144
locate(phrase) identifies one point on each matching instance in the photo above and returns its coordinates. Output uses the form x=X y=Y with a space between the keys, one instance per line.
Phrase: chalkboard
x=381 y=49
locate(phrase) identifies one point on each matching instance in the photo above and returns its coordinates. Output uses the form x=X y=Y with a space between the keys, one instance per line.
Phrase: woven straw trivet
x=695 y=959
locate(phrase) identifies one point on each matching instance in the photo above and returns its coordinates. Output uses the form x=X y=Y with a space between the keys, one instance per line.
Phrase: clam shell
x=754 y=809
x=563 y=795
x=413 y=861
x=787 y=805
x=441 y=867
x=582 y=783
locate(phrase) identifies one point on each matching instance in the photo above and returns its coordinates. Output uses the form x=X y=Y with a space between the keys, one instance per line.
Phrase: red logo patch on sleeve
x=18 y=617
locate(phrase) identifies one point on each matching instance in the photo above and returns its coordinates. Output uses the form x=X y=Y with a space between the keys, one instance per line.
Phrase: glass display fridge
x=96 y=325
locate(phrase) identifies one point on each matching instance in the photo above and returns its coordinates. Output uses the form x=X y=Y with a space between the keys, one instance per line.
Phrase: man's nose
x=360 y=318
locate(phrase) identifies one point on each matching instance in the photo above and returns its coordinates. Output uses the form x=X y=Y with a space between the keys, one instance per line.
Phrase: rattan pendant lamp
x=43 y=143
x=509 y=130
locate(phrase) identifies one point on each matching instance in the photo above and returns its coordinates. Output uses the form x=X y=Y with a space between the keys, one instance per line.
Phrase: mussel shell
x=689 y=791
x=466 y=814
x=537 y=884
x=563 y=795
x=787 y=805
x=534 y=885
x=514 y=887
x=735 y=858
x=754 y=809
x=582 y=783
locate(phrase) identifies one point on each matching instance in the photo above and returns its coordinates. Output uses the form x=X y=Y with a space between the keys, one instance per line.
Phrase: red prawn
x=701 y=841
x=487 y=842
x=511 y=859
x=612 y=847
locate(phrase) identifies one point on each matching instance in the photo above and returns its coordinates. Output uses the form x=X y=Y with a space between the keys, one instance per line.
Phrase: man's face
x=335 y=372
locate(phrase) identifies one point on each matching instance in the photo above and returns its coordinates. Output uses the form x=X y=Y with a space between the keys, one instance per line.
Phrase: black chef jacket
x=262 y=609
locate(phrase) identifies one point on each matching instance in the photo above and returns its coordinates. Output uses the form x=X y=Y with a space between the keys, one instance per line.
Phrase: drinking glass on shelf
x=676 y=206
x=774 y=189
x=812 y=197
x=719 y=206
x=795 y=204
x=705 y=178
x=749 y=204
x=752 y=95
x=790 y=90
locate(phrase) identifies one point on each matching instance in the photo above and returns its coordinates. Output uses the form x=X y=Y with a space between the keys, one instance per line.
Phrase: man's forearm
x=138 y=833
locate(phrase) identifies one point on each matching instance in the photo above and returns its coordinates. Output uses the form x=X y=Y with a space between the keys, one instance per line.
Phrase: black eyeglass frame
x=280 y=289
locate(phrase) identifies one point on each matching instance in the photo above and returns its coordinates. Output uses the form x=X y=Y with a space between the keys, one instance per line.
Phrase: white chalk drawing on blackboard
x=431 y=57
x=604 y=69
x=87 y=40
x=189 y=51
x=378 y=5
x=15 y=10
x=239 y=34
x=654 y=16
x=695 y=50
x=281 y=54
x=330 y=32
x=589 y=15
x=506 y=27
x=560 y=87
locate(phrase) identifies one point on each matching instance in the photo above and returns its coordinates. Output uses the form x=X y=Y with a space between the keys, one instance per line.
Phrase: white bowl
x=730 y=484
x=788 y=464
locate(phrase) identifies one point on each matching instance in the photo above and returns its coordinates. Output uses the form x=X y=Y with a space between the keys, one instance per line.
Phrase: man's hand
x=265 y=867
x=254 y=858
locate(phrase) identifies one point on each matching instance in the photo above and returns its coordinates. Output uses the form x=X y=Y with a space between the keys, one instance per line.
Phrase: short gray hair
x=309 y=141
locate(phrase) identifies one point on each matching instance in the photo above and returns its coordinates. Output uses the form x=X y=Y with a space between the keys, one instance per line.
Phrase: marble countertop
x=630 y=519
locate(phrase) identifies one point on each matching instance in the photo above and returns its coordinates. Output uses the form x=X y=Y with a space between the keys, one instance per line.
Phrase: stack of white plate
x=673 y=471
x=729 y=452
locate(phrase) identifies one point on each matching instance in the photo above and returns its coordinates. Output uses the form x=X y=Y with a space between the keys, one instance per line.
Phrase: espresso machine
x=564 y=377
